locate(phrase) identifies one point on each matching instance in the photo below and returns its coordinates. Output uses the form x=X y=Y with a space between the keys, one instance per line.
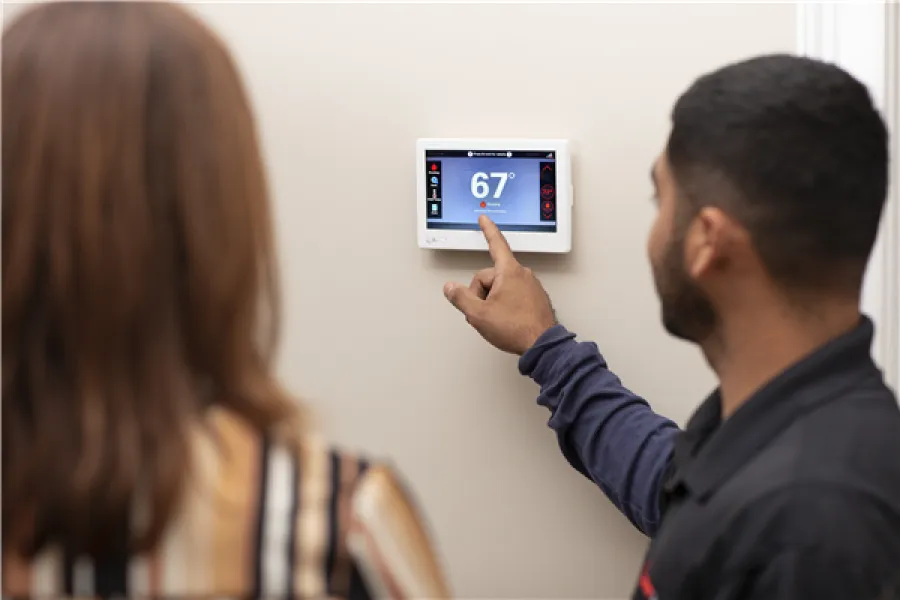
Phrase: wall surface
x=342 y=91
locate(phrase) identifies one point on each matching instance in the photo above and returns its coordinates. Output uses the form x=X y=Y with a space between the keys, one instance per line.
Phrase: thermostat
x=524 y=186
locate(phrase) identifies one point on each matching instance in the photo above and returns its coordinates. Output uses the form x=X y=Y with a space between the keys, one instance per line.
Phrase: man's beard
x=687 y=313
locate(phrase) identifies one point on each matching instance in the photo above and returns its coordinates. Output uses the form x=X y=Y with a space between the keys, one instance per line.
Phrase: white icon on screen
x=470 y=155
x=509 y=155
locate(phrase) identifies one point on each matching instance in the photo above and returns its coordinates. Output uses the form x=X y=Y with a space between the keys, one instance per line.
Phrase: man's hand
x=506 y=304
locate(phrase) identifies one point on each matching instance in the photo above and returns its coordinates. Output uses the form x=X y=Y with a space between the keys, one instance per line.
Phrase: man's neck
x=749 y=350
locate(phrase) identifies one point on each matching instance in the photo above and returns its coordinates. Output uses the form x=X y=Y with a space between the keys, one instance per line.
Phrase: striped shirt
x=260 y=518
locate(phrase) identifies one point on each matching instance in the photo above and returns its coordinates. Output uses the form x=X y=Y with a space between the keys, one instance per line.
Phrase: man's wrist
x=535 y=362
x=536 y=333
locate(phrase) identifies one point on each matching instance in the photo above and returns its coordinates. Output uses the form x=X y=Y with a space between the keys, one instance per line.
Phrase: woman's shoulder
x=337 y=516
x=299 y=488
x=302 y=467
x=390 y=540
x=228 y=432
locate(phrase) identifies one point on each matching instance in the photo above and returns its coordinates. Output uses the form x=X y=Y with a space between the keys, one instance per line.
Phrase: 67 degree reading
x=480 y=184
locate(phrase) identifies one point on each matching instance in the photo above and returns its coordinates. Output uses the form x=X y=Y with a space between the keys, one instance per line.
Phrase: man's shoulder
x=814 y=501
x=834 y=474
x=837 y=519
x=869 y=400
x=817 y=535
x=847 y=445
x=830 y=477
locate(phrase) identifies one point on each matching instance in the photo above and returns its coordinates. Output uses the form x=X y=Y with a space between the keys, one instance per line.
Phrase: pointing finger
x=501 y=254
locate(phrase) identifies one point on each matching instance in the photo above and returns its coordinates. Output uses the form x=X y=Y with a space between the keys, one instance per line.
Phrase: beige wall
x=342 y=92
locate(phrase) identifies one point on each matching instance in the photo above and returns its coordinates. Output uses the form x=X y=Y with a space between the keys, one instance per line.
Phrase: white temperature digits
x=481 y=184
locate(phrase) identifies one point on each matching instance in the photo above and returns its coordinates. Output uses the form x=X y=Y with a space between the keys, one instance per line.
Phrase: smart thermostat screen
x=517 y=190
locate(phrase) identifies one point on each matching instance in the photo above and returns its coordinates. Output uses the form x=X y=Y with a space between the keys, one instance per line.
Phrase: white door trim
x=864 y=39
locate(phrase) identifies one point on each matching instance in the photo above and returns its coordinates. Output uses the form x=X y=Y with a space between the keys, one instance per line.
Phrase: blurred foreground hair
x=139 y=284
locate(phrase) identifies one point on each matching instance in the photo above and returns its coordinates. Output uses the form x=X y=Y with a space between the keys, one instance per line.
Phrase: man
x=786 y=481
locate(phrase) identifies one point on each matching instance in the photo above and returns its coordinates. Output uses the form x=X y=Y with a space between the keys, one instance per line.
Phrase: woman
x=148 y=449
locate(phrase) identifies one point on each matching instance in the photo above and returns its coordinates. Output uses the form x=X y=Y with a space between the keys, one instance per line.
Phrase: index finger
x=499 y=248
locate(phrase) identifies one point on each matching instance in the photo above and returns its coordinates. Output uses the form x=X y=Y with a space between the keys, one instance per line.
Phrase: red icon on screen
x=483 y=204
x=434 y=167
x=548 y=206
x=548 y=191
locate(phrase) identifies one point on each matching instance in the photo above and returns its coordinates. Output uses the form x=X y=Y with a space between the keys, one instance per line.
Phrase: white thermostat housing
x=522 y=185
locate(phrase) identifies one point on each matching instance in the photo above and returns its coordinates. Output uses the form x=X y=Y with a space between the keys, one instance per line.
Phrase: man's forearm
x=605 y=431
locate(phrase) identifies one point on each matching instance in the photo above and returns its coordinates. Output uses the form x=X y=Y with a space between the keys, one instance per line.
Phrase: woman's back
x=141 y=417
x=262 y=517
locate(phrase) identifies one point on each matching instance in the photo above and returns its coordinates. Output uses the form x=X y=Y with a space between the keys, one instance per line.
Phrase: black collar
x=709 y=450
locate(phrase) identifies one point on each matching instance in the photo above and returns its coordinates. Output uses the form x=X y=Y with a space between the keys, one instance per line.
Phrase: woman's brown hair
x=139 y=282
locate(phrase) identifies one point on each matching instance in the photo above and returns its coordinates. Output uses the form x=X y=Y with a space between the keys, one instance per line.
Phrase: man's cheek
x=656 y=247
x=652 y=244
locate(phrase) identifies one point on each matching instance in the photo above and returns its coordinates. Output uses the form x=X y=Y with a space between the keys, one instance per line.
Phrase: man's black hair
x=795 y=150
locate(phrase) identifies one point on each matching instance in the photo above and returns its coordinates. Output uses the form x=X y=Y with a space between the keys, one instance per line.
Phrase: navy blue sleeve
x=605 y=431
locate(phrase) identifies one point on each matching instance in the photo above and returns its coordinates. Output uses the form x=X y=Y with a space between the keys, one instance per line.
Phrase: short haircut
x=796 y=151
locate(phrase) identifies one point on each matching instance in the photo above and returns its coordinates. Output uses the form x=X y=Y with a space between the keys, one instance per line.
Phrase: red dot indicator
x=434 y=167
x=483 y=204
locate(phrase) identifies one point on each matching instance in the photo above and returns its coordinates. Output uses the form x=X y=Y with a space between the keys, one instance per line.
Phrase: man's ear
x=705 y=241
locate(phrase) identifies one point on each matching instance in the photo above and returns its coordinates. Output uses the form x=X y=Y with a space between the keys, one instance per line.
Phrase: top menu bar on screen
x=490 y=154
